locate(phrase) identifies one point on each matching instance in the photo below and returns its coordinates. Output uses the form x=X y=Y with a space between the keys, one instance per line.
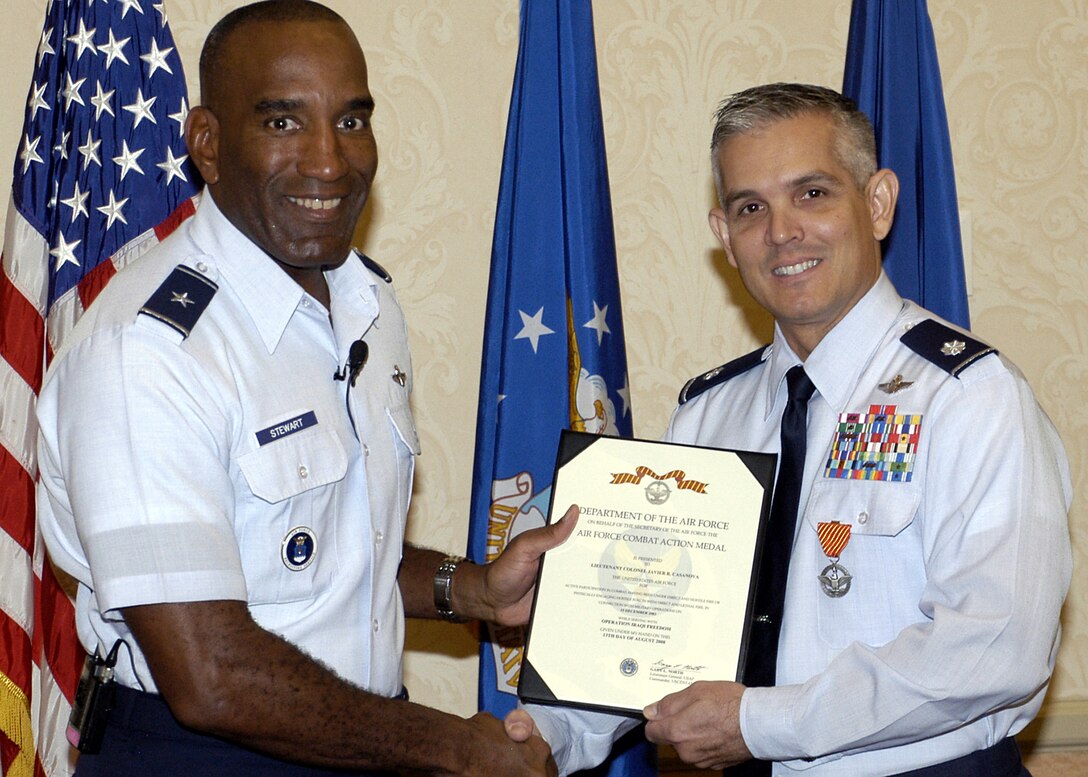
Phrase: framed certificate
x=652 y=592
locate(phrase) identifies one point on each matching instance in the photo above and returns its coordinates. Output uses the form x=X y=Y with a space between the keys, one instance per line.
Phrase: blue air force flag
x=554 y=354
x=892 y=73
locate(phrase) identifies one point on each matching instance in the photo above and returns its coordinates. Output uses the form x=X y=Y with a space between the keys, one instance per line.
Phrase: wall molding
x=1060 y=725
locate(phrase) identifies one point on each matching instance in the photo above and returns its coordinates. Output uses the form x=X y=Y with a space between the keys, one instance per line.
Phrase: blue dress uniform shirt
x=946 y=640
x=224 y=464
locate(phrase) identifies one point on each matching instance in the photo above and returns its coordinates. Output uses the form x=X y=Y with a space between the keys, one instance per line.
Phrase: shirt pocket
x=882 y=557
x=292 y=489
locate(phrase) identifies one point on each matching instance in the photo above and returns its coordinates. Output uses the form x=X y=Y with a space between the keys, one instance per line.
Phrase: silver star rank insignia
x=953 y=348
x=895 y=384
x=182 y=299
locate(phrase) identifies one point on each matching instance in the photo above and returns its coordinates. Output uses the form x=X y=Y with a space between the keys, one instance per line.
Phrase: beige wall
x=1016 y=85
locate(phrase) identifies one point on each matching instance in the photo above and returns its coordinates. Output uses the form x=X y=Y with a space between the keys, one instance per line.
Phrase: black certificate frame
x=535 y=686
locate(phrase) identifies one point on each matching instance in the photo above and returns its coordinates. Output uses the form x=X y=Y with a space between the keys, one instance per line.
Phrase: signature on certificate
x=662 y=666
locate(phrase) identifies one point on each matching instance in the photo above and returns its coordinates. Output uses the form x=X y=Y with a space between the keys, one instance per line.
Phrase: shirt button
x=378 y=537
x=303 y=472
x=366 y=449
x=376 y=626
x=863 y=517
x=201 y=267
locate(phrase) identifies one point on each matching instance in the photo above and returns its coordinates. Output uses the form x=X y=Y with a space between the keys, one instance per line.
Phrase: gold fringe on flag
x=15 y=725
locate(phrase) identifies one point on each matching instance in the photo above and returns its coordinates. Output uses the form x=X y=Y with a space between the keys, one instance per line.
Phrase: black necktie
x=759 y=668
x=778 y=543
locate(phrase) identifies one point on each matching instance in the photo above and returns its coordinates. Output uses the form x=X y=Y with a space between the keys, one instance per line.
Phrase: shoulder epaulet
x=374 y=267
x=181 y=299
x=718 y=375
x=948 y=348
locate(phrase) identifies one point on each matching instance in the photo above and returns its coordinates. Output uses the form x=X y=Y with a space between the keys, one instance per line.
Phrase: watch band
x=443 y=588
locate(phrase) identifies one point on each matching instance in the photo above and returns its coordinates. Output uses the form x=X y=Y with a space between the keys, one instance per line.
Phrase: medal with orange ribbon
x=834 y=579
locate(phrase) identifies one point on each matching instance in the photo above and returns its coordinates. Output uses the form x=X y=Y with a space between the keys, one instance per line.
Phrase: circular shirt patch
x=299 y=548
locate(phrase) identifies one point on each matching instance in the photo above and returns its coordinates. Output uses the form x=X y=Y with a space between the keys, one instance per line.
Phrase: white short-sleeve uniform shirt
x=959 y=552
x=228 y=463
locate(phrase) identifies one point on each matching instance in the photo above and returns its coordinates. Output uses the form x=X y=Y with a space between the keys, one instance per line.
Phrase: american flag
x=101 y=175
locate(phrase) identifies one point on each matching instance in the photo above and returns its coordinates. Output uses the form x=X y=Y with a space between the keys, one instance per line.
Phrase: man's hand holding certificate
x=651 y=593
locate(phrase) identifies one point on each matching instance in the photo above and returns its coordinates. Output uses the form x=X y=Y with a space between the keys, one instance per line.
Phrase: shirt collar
x=835 y=365
x=354 y=294
x=270 y=296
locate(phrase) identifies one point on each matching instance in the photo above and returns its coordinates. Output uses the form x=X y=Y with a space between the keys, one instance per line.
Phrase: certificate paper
x=652 y=591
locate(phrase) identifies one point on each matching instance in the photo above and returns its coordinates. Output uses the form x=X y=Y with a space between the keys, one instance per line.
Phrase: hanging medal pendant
x=835 y=578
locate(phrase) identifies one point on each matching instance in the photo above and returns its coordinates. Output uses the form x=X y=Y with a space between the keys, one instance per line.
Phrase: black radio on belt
x=93 y=702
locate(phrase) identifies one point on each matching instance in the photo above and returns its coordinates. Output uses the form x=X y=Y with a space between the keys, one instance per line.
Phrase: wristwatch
x=443 y=588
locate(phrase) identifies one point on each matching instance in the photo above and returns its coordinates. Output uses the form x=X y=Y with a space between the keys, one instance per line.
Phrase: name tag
x=290 y=426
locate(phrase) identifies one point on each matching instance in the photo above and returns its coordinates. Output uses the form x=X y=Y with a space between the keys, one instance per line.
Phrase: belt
x=1000 y=760
x=143 y=737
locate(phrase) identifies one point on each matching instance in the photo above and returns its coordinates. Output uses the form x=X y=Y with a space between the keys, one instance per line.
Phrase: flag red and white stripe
x=100 y=177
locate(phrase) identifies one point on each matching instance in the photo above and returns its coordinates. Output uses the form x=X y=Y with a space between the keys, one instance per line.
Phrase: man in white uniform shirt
x=227 y=453
x=926 y=640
